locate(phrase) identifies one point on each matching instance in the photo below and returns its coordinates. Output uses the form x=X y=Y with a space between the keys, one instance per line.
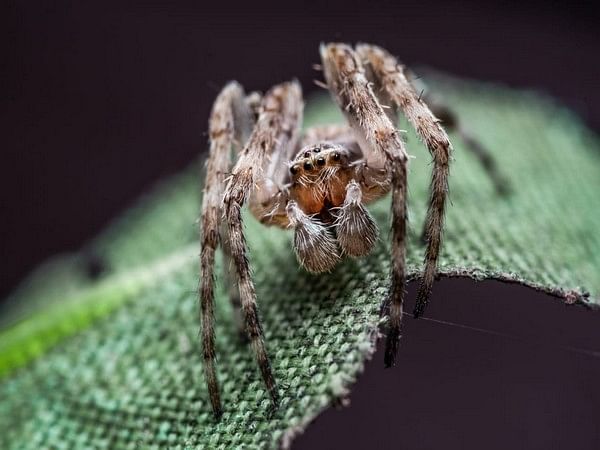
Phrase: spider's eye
x=321 y=161
x=294 y=170
x=317 y=150
x=336 y=156
x=308 y=166
x=306 y=154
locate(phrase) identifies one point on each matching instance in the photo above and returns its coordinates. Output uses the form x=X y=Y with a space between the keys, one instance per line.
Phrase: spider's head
x=319 y=175
x=316 y=162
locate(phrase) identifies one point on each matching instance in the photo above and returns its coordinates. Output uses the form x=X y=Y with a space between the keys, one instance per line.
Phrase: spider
x=317 y=184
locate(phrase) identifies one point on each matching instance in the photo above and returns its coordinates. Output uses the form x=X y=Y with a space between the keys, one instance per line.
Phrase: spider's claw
x=273 y=408
x=243 y=336
x=503 y=188
x=274 y=393
x=421 y=303
x=392 y=343
x=217 y=414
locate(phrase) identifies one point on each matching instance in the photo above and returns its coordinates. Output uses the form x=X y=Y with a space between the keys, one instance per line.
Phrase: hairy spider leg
x=381 y=144
x=391 y=77
x=224 y=132
x=278 y=105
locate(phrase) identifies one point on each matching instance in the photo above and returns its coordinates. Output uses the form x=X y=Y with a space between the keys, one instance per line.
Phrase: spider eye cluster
x=316 y=157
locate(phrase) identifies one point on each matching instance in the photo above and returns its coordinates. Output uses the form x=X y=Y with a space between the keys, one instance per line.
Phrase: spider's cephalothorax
x=317 y=184
x=319 y=175
x=325 y=206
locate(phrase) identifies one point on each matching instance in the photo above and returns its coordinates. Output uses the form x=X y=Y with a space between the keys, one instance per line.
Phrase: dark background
x=492 y=366
x=100 y=99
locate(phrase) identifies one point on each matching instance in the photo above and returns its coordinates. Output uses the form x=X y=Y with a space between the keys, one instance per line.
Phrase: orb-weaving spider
x=318 y=183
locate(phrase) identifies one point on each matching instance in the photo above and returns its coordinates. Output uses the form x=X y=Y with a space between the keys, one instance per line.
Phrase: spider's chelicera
x=318 y=183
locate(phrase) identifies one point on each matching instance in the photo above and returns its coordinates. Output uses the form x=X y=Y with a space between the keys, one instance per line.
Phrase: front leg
x=278 y=104
x=229 y=122
x=377 y=136
x=391 y=77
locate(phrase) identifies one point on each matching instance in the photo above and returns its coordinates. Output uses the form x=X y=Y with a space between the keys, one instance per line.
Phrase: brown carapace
x=318 y=183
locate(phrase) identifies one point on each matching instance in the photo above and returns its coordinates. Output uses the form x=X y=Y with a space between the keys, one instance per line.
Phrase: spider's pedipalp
x=314 y=243
x=356 y=230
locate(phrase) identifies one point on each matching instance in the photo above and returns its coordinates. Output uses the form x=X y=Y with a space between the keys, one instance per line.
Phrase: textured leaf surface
x=116 y=363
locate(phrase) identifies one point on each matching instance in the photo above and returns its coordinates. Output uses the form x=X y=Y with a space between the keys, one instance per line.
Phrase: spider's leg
x=230 y=283
x=245 y=115
x=451 y=121
x=382 y=147
x=244 y=119
x=230 y=120
x=391 y=76
x=278 y=104
x=269 y=197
